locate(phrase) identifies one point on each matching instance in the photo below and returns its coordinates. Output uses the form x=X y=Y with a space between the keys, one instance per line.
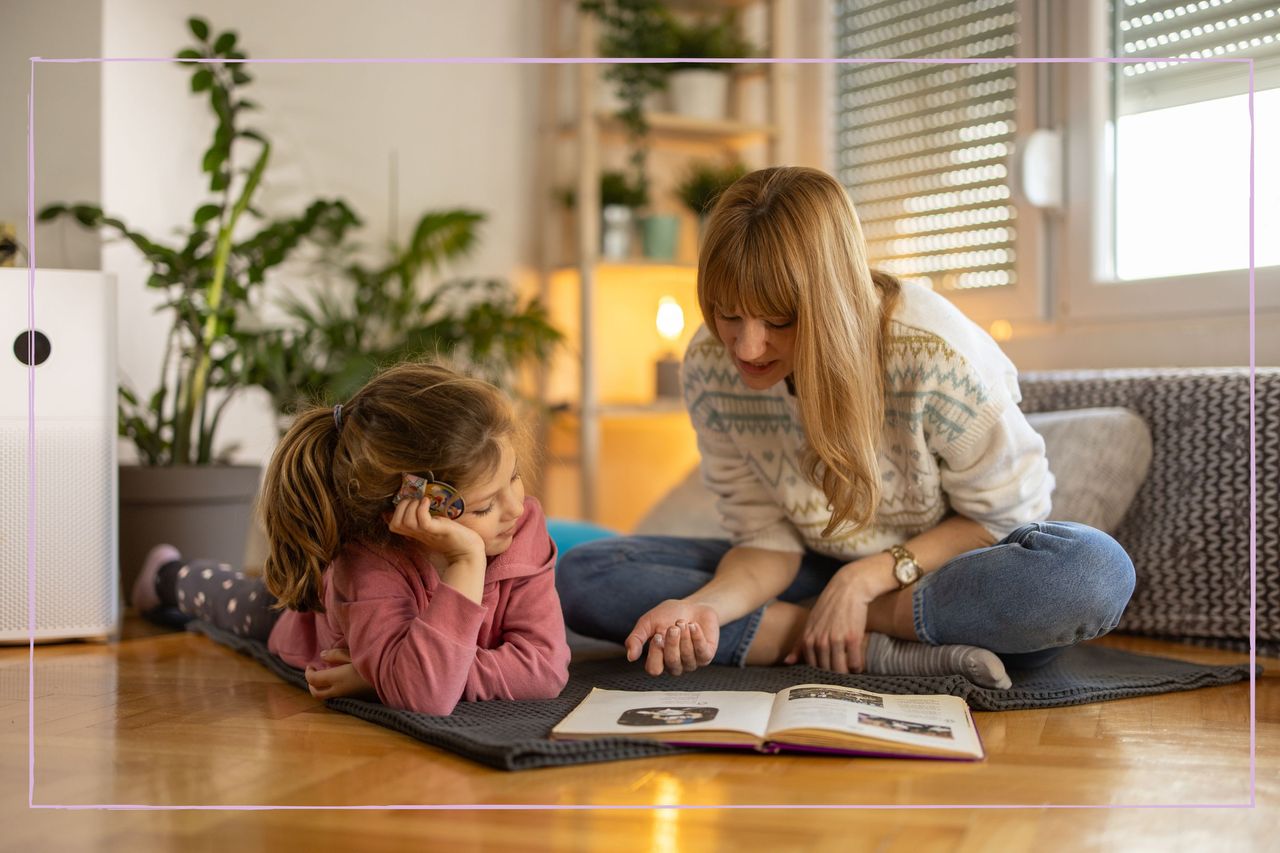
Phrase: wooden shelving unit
x=590 y=297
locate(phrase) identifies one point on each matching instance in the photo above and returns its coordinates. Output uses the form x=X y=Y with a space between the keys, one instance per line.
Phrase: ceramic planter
x=660 y=233
x=616 y=225
x=700 y=93
x=204 y=510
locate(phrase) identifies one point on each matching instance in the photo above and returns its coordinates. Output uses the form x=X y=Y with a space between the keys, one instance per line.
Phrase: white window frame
x=1089 y=287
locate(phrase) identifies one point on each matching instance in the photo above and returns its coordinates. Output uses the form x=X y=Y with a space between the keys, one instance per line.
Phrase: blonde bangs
x=749 y=271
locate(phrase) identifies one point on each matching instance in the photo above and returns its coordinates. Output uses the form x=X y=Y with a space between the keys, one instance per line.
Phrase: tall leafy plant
x=635 y=29
x=714 y=38
x=370 y=316
x=208 y=279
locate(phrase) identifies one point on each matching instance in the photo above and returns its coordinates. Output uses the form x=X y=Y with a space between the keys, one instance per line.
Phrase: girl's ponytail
x=303 y=519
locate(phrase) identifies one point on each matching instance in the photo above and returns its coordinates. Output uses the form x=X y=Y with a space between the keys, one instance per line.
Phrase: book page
x=620 y=713
x=933 y=722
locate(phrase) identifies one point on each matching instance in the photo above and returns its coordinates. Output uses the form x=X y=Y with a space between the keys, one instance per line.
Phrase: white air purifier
x=72 y=535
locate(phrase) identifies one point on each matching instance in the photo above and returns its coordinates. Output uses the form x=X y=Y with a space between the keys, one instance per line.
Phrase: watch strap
x=901 y=554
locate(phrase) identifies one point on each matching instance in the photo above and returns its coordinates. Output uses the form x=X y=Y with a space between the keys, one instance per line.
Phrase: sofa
x=1174 y=448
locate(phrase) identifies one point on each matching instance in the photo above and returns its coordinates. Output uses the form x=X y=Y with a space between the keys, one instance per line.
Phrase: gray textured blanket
x=513 y=735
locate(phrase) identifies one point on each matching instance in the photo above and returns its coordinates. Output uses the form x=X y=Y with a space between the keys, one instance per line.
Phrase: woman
x=885 y=497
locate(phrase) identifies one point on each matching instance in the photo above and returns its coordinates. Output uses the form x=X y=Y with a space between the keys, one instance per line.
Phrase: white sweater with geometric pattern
x=954 y=439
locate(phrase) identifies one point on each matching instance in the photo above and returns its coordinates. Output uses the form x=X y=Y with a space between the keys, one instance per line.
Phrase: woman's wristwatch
x=906 y=570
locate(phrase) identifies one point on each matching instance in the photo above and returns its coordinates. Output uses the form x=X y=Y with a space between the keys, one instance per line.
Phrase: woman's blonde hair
x=333 y=477
x=785 y=242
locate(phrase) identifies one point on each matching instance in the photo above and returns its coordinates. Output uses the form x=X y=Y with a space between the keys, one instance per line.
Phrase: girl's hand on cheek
x=413 y=519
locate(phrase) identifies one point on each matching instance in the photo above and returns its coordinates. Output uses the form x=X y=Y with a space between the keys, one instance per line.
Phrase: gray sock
x=890 y=656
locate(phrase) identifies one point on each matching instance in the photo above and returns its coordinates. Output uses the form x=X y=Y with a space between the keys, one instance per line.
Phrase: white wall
x=1220 y=341
x=462 y=133
x=67 y=121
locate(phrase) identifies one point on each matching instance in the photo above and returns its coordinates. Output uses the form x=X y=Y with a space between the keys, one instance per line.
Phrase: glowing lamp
x=670 y=323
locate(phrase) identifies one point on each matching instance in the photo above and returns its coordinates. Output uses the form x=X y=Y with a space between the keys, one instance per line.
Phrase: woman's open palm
x=682 y=636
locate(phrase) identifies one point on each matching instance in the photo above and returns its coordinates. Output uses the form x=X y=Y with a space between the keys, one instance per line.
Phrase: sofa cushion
x=1192 y=531
x=1098 y=456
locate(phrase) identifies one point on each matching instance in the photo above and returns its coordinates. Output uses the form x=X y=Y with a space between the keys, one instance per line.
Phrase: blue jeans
x=1044 y=587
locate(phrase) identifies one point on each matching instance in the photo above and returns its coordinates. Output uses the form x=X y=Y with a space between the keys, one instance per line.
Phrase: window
x=1154 y=217
x=1182 y=135
x=1157 y=215
x=925 y=149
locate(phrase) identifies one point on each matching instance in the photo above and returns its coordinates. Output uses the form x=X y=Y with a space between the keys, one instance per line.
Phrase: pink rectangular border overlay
x=31 y=467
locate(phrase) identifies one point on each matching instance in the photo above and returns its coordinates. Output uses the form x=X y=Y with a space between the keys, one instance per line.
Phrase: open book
x=807 y=717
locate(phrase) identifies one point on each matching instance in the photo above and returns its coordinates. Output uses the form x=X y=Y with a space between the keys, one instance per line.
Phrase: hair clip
x=444 y=498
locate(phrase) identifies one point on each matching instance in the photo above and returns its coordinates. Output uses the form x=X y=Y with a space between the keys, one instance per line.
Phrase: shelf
x=678 y=127
x=645 y=265
x=709 y=5
x=631 y=448
x=659 y=407
x=630 y=410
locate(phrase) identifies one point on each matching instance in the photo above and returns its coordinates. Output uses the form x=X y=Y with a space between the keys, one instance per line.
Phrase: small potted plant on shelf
x=701 y=90
x=635 y=29
x=619 y=199
x=702 y=184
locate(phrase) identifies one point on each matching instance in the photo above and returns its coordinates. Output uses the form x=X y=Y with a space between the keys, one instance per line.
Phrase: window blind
x=1193 y=28
x=923 y=149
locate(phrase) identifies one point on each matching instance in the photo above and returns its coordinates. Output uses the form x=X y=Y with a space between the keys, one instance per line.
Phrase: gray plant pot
x=204 y=510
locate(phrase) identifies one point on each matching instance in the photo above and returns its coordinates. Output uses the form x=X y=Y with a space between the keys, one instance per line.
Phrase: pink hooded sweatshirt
x=422 y=644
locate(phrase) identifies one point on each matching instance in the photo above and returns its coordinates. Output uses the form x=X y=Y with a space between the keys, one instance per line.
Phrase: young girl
x=438 y=584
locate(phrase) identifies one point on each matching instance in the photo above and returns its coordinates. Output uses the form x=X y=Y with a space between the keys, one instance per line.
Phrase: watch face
x=905 y=571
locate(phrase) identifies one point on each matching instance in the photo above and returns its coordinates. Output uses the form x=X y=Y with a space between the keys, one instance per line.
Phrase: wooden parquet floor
x=173 y=719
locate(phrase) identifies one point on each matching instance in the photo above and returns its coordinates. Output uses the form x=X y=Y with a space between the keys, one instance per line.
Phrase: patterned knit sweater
x=954 y=439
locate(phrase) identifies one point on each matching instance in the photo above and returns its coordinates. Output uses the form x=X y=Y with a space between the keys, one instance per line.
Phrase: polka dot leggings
x=216 y=593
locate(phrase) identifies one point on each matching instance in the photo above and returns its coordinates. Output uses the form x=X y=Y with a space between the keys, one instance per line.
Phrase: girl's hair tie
x=337 y=417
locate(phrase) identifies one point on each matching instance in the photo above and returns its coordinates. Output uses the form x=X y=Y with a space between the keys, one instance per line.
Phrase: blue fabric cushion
x=566 y=533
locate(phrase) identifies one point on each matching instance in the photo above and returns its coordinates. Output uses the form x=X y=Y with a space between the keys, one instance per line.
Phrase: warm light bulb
x=670 y=318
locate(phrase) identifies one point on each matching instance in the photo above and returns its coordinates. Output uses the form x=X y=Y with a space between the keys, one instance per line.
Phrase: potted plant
x=184 y=492
x=634 y=29
x=701 y=90
x=371 y=317
x=619 y=199
x=702 y=184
